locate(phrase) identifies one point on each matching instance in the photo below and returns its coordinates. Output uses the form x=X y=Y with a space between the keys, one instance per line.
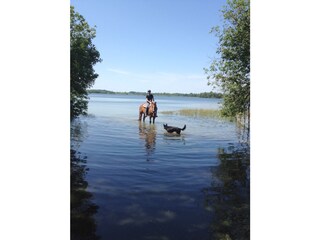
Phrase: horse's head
x=154 y=106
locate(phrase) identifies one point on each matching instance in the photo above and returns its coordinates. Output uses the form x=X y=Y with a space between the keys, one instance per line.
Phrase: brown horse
x=152 y=112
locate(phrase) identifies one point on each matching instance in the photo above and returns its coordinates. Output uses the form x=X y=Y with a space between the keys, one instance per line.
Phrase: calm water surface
x=132 y=180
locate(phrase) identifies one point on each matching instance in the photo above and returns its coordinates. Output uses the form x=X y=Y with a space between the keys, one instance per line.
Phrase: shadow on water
x=228 y=197
x=149 y=134
x=168 y=137
x=83 y=225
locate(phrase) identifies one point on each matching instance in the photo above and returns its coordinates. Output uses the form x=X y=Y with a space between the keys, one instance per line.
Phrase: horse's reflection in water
x=149 y=134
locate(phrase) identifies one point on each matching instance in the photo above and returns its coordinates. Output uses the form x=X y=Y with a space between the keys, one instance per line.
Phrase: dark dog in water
x=171 y=129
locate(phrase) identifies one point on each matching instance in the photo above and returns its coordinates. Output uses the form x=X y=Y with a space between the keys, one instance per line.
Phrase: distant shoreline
x=201 y=95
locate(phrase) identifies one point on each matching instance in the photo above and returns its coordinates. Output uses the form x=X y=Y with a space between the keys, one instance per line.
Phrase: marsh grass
x=197 y=113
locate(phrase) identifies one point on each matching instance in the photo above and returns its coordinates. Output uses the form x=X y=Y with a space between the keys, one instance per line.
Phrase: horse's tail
x=184 y=127
x=140 y=111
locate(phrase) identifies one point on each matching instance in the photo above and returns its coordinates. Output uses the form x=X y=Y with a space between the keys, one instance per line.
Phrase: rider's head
x=149 y=91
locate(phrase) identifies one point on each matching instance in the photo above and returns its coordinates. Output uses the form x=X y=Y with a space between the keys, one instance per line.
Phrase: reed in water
x=216 y=113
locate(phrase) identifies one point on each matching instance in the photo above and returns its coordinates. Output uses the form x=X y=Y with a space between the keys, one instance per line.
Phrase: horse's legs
x=153 y=118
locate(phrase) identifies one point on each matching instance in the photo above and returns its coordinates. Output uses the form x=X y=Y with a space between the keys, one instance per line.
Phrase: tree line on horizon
x=230 y=71
x=201 y=95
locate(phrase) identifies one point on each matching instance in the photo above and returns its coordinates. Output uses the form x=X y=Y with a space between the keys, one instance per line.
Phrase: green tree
x=84 y=56
x=231 y=70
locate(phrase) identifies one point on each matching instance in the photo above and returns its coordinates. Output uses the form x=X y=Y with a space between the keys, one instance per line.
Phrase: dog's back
x=172 y=129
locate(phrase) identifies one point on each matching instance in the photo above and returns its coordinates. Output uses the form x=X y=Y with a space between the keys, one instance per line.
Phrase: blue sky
x=162 y=45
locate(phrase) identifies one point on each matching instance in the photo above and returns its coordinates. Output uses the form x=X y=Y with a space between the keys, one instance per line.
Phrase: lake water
x=133 y=180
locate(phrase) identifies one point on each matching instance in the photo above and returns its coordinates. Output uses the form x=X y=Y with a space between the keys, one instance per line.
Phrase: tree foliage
x=83 y=56
x=231 y=70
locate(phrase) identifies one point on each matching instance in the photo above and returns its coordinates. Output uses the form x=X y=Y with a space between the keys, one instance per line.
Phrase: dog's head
x=165 y=125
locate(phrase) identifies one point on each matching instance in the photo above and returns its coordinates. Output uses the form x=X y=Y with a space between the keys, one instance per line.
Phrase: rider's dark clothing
x=149 y=97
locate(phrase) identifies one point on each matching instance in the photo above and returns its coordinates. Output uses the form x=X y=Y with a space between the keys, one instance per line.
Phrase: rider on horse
x=149 y=99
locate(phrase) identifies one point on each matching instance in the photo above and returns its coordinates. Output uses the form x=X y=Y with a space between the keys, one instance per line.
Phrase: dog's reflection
x=149 y=134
